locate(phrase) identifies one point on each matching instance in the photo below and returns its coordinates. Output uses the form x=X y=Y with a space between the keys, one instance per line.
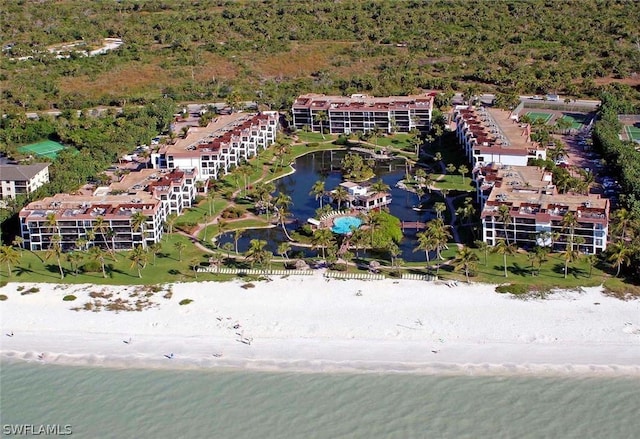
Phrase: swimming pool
x=345 y=224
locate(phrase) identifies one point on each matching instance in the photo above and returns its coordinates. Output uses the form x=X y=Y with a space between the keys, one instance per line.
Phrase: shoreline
x=313 y=326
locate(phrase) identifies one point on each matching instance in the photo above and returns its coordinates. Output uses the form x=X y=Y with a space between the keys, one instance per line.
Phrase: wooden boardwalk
x=416 y=225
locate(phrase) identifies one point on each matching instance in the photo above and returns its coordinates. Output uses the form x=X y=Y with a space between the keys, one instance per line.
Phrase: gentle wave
x=325 y=366
x=105 y=403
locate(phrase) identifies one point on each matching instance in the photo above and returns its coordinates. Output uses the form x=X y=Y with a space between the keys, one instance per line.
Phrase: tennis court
x=576 y=120
x=633 y=133
x=535 y=116
x=46 y=148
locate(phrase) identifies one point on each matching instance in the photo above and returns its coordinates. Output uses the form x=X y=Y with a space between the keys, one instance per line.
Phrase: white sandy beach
x=309 y=324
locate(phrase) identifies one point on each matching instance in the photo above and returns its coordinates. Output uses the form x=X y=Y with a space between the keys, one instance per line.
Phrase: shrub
x=91 y=267
x=513 y=289
x=69 y=298
x=233 y=212
x=30 y=291
x=341 y=140
x=199 y=198
x=3 y=283
x=185 y=301
x=20 y=288
x=247 y=286
x=313 y=144
x=3 y=297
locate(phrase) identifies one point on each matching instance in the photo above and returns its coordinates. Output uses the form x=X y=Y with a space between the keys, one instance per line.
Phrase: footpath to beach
x=313 y=325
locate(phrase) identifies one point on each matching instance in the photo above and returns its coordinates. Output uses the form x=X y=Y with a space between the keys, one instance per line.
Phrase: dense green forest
x=271 y=51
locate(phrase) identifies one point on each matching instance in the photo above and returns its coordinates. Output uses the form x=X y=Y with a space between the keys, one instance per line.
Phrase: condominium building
x=344 y=115
x=489 y=135
x=222 y=144
x=22 y=179
x=108 y=217
x=536 y=214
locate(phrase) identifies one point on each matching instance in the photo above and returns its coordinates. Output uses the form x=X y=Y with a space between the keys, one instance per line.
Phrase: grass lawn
x=309 y=137
x=453 y=182
x=450 y=150
x=213 y=229
x=399 y=140
x=519 y=271
x=195 y=215
x=168 y=268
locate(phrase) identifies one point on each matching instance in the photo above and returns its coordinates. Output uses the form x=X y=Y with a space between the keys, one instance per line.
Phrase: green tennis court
x=535 y=116
x=632 y=132
x=576 y=120
x=46 y=148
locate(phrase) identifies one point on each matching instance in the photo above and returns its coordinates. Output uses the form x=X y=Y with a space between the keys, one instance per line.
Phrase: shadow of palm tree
x=519 y=270
x=19 y=271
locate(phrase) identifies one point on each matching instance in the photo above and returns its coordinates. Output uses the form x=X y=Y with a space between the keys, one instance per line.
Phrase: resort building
x=492 y=136
x=536 y=214
x=222 y=144
x=130 y=212
x=361 y=197
x=344 y=115
x=22 y=179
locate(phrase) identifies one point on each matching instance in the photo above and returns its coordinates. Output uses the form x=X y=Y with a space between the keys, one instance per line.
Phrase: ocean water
x=136 y=403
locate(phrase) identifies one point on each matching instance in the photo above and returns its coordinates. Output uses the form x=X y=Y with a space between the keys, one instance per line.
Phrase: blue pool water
x=345 y=224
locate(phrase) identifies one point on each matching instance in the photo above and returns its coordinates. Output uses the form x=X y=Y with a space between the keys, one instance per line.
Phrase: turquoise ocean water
x=136 y=403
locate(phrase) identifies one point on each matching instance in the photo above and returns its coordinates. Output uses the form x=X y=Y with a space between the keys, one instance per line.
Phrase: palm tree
x=255 y=253
x=373 y=221
x=82 y=244
x=380 y=186
x=619 y=254
x=505 y=249
x=55 y=249
x=74 y=259
x=282 y=203
x=451 y=168
x=194 y=264
x=138 y=221
x=18 y=241
x=340 y=194
x=228 y=247
x=98 y=254
x=170 y=222
x=439 y=207
x=570 y=255
x=99 y=226
x=426 y=243
x=318 y=191
x=592 y=260
x=180 y=246
x=393 y=250
x=483 y=247
x=321 y=117
x=440 y=234
x=237 y=234
x=155 y=249
x=9 y=256
x=138 y=258
x=463 y=169
x=541 y=253
x=358 y=239
x=504 y=216
x=466 y=260
x=283 y=249
x=623 y=220
x=322 y=238
x=211 y=199
x=263 y=192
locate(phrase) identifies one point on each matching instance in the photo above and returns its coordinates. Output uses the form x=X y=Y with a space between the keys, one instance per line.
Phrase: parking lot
x=582 y=156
